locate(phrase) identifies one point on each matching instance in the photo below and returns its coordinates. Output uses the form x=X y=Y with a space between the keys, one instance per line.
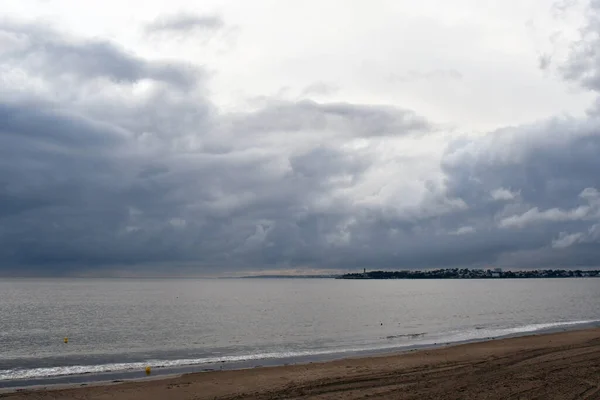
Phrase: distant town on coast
x=465 y=273
x=446 y=273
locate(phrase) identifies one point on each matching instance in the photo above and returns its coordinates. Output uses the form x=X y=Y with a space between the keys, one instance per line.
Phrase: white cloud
x=566 y=240
x=503 y=194
x=534 y=215
x=178 y=222
x=463 y=230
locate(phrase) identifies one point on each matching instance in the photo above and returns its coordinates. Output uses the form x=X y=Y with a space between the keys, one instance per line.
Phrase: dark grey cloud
x=38 y=127
x=536 y=182
x=49 y=54
x=185 y=23
x=98 y=176
x=155 y=179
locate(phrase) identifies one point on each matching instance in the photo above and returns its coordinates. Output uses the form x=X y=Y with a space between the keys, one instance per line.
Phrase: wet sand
x=563 y=365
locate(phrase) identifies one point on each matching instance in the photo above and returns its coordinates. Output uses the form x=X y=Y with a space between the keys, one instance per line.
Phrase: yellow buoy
x=148 y=370
x=66 y=340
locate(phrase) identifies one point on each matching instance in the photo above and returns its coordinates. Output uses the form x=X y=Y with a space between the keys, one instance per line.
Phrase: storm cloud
x=109 y=161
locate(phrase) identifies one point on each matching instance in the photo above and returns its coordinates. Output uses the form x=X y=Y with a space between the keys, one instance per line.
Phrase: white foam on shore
x=484 y=333
x=450 y=337
x=122 y=367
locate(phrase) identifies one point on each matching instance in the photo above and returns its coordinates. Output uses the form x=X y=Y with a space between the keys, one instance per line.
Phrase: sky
x=185 y=138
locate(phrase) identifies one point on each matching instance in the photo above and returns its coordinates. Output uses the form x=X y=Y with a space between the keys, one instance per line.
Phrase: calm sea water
x=120 y=326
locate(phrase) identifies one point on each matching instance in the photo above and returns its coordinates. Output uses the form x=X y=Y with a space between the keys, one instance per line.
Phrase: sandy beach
x=563 y=365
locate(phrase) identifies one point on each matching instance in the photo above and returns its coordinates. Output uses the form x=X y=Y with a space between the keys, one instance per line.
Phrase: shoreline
x=158 y=372
x=556 y=350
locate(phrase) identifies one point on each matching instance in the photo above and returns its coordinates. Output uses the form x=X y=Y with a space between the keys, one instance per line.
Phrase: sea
x=118 y=327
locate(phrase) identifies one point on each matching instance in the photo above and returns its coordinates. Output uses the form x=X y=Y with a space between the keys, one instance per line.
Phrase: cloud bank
x=111 y=161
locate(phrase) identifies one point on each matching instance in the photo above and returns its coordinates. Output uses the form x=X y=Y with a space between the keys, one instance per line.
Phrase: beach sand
x=563 y=365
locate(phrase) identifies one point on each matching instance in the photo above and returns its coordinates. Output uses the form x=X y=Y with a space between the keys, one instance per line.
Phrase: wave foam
x=482 y=332
x=51 y=372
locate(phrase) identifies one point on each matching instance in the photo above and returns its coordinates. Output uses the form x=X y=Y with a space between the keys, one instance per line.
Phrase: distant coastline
x=465 y=273
x=444 y=273
x=288 y=277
